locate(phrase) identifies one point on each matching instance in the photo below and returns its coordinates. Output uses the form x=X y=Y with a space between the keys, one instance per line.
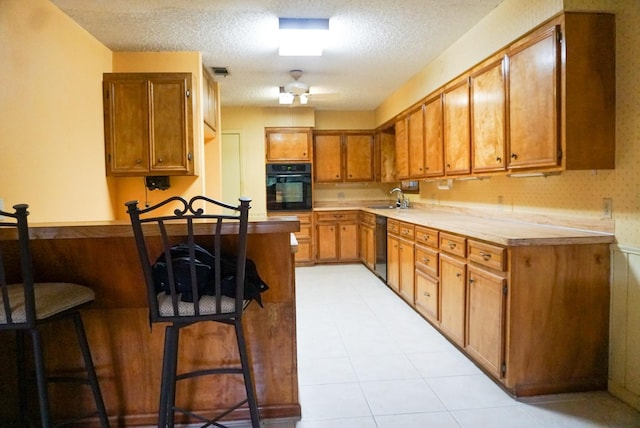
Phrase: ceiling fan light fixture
x=285 y=97
x=304 y=98
x=302 y=36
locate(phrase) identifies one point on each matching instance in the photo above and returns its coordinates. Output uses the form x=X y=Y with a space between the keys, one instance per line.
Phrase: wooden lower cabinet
x=534 y=317
x=400 y=259
x=453 y=297
x=304 y=256
x=427 y=296
x=336 y=236
x=393 y=262
x=485 y=319
x=367 y=243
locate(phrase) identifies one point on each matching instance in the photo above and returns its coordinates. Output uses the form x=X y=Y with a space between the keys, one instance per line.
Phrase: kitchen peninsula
x=127 y=351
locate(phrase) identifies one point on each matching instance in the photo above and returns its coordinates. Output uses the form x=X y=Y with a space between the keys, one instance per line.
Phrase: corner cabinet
x=148 y=121
x=288 y=144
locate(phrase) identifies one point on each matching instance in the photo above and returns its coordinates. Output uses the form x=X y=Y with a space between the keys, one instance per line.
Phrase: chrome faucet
x=401 y=201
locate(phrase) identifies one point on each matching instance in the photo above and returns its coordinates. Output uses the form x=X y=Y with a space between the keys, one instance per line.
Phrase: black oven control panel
x=288 y=168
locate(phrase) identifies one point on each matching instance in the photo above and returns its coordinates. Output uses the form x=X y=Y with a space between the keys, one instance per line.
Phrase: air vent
x=220 y=71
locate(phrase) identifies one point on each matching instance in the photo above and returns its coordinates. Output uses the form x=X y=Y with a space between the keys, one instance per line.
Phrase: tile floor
x=366 y=360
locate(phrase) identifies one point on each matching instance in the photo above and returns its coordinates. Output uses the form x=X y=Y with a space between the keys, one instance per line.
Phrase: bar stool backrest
x=180 y=286
x=17 y=306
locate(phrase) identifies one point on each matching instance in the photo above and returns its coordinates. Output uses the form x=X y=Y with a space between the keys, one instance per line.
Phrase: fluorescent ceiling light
x=302 y=36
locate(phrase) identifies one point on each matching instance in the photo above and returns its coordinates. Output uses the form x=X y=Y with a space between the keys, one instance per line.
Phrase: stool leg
x=22 y=378
x=90 y=368
x=246 y=372
x=168 y=381
x=41 y=379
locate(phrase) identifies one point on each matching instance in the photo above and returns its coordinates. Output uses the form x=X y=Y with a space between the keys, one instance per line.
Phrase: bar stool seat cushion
x=51 y=298
x=207 y=305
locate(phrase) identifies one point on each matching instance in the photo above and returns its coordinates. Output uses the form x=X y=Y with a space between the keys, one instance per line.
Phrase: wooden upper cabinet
x=402 y=149
x=359 y=157
x=148 y=123
x=457 y=135
x=385 y=155
x=433 y=137
x=562 y=94
x=488 y=116
x=534 y=77
x=288 y=144
x=327 y=153
x=343 y=156
x=209 y=102
x=416 y=142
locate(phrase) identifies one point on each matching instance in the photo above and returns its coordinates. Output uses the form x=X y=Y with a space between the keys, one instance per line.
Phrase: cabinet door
x=426 y=298
x=416 y=143
x=457 y=138
x=326 y=242
x=393 y=263
x=171 y=142
x=433 y=137
x=209 y=102
x=288 y=144
x=387 y=153
x=402 y=149
x=327 y=154
x=359 y=151
x=488 y=117
x=407 y=269
x=533 y=101
x=367 y=246
x=453 y=294
x=348 y=236
x=126 y=126
x=486 y=319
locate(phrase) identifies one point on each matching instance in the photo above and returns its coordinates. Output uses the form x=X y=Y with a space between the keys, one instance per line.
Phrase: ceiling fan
x=296 y=91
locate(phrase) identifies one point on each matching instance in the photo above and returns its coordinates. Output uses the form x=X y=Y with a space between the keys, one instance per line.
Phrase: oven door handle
x=289 y=175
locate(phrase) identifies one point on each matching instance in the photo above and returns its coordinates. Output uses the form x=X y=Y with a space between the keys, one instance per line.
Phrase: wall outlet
x=607 y=208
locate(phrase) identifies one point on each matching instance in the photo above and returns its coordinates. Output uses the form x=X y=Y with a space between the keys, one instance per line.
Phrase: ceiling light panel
x=302 y=36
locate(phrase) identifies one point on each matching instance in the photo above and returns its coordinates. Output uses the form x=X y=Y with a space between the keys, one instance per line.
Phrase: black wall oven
x=289 y=187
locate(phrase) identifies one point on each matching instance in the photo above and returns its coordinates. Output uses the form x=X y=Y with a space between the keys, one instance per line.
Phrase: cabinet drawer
x=305 y=231
x=488 y=255
x=407 y=230
x=427 y=260
x=427 y=236
x=332 y=216
x=426 y=299
x=393 y=227
x=367 y=218
x=453 y=244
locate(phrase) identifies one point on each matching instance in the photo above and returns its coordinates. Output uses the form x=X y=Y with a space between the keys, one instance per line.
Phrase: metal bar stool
x=27 y=305
x=187 y=284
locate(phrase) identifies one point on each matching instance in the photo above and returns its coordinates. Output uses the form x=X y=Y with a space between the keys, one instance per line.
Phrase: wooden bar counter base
x=127 y=351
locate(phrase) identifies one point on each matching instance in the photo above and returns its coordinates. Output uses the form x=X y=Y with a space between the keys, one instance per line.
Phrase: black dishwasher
x=381 y=247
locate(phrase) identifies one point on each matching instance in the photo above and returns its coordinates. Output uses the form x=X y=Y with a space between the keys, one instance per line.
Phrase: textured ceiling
x=375 y=45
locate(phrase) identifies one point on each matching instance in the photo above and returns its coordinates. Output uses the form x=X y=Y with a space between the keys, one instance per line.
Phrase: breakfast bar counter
x=127 y=351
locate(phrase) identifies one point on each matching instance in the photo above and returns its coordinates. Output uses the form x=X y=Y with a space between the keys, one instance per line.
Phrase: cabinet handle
x=160 y=160
x=498 y=159
x=486 y=256
x=189 y=156
x=138 y=161
x=514 y=156
x=452 y=245
x=426 y=259
x=458 y=274
x=426 y=237
x=427 y=294
x=471 y=280
x=448 y=165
